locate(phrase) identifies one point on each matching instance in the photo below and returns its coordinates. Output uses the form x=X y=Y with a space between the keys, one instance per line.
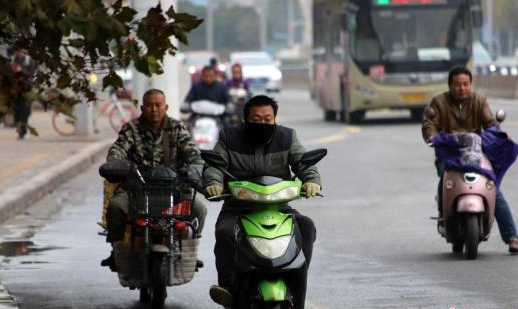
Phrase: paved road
x=376 y=246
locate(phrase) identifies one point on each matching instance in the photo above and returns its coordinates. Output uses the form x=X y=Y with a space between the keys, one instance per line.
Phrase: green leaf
x=63 y=81
x=126 y=15
x=113 y=80
x=32 y=130
x=142 y=66
x=65 y=26
x=76 y=42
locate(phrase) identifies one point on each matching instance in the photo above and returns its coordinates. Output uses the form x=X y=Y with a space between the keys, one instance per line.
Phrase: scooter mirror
x=500 y=115
x=117 y=170
x=312 y=157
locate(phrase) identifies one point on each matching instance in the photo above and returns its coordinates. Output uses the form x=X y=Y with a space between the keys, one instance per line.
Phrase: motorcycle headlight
x=270 y=248
x=285 y=194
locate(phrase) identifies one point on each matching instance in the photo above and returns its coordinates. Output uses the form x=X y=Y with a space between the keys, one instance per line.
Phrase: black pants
x=225 y=250
x=22 y=111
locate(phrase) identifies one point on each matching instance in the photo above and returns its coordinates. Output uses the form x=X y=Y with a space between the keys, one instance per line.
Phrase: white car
x=259 y=69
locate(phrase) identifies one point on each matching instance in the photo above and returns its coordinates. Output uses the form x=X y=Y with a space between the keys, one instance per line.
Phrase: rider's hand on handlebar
x=213 y=190
x=311 y=189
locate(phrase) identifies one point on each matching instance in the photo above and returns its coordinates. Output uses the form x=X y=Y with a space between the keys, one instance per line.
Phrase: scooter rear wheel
x=472 y=236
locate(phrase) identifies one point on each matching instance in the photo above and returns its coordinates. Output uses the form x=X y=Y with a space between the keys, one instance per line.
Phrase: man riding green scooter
x=259 y=147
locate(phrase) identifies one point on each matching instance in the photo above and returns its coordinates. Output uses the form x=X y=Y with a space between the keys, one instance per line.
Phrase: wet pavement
x=376 y=247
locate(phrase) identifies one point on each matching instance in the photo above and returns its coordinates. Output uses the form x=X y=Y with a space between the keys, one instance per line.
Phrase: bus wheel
x=329 y=115
x=356 y=117
x=352 y=117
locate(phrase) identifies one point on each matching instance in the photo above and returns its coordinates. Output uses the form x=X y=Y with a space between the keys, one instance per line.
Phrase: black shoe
x=109 y=262
x=199 y=264
x=221 y=296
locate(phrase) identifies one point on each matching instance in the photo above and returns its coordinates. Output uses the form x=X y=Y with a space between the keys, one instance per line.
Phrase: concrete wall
x=497 y=86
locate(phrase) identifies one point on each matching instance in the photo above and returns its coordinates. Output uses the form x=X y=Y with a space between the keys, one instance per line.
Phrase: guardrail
x=497 y=86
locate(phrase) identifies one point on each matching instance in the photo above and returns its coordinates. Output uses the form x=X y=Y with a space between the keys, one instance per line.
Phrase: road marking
x=23 y=164
x=328 y=139
x=352 y=129
x=311 y=305
x=335 y=137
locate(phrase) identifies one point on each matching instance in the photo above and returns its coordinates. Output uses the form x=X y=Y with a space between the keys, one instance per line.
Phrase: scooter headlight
x=270 y=248
x=471 y=178
x=285 y=194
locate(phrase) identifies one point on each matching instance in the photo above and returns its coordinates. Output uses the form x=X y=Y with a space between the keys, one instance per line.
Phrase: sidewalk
x=33 y=167
x=36 y=165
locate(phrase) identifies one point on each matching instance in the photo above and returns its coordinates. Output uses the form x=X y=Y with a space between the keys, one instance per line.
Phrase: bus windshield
x=415 y=34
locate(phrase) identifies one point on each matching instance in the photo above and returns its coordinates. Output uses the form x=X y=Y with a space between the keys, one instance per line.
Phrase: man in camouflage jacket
x=141 y=141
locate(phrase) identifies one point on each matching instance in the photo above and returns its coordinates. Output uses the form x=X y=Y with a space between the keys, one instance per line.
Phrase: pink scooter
x=468 y=198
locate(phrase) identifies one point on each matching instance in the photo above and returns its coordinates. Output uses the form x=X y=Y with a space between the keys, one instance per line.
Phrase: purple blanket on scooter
x=497 y=146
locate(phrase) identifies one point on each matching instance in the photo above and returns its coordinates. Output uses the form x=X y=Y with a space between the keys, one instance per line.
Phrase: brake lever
x=217 y=198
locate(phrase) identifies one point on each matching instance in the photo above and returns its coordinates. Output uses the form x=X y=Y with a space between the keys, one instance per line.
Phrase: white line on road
x=311 y=305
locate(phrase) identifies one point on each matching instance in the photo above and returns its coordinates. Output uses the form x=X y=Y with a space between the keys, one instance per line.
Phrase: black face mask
x=259 y=133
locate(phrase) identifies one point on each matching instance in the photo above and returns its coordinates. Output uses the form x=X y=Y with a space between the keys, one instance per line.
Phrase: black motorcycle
x=160 y=244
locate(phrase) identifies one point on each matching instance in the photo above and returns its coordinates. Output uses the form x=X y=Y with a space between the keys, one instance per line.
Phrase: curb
x=6 y=301
x=16 y=200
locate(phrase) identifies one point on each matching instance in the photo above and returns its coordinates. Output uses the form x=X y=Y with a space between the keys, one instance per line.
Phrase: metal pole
x=489 y=7
x=291 y=32
x=168 y=81
x=263 y=21
x=210 y=25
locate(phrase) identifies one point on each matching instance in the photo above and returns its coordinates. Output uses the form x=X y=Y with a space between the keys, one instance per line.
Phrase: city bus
x=387 y=54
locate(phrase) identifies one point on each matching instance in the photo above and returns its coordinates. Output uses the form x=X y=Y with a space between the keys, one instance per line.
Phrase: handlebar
x=217 y=198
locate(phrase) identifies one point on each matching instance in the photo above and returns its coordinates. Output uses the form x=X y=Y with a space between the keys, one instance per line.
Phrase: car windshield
x=253 y=60
x=197 y=60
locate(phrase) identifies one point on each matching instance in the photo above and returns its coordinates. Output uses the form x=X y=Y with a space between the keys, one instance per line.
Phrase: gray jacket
x=278 y=158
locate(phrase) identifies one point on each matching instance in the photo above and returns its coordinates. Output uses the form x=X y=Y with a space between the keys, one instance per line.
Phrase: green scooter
x=269 y=244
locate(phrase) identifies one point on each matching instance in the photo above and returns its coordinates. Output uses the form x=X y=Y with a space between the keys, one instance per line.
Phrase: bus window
x=409 y=34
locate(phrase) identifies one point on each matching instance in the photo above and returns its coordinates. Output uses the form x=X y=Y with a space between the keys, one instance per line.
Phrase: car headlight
x=366 y=91
x=270 y=248
x=285 y=194
x=277 y=75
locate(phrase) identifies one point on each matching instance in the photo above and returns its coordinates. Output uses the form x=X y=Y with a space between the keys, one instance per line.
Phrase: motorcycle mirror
x=312 y=157
x=117 y=170
x=214 y=159
x=429 y=113
x=500 y=115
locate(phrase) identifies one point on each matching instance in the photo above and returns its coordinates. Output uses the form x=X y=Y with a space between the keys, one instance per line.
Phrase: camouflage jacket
x=138 y=143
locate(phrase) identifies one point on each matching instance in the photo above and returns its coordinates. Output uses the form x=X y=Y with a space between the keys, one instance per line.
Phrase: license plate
x=414 y=97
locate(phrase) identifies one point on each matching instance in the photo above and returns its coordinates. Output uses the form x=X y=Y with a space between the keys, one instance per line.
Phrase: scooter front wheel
x=472 y=231
x=457 y=246
x=158 y=284
x=145 y=295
